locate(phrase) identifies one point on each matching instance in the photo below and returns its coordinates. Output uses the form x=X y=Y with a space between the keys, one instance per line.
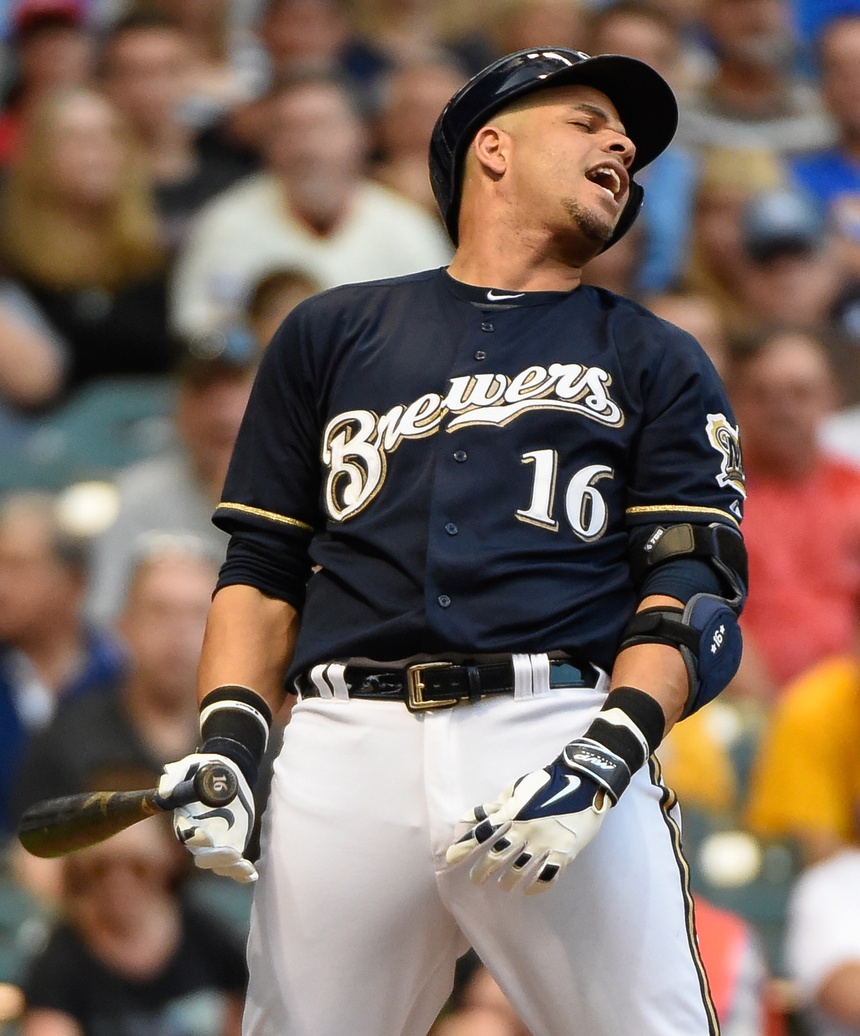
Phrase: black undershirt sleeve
x=277 y=566
x=683 y=579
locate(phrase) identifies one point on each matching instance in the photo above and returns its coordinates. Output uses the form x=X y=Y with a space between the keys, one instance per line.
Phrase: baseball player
x=520 y=499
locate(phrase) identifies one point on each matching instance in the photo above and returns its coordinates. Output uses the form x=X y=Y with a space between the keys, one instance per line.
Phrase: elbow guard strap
x=707 y=634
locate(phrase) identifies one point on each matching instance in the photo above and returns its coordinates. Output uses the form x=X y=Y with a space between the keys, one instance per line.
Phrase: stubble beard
x=595 y=230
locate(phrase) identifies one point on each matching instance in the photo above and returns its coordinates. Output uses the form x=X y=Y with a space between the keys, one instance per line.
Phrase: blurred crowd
x=175 y=177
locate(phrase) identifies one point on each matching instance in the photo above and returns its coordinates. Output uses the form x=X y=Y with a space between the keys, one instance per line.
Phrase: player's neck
x=484 y=265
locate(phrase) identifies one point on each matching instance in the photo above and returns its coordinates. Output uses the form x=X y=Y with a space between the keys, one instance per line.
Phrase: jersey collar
x=500 y=298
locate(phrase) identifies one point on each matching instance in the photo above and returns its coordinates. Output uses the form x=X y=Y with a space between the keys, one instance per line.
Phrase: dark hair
x=747 y=346
x=145 y=20
x=276 y=281
x=70 y=549
x=300 y=75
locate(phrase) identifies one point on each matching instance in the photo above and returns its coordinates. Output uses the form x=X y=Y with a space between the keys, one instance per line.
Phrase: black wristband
x=645 y=711
x=645 y=715
x=235 y=722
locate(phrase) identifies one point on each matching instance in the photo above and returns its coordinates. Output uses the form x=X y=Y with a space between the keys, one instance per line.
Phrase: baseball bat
x=56 y=827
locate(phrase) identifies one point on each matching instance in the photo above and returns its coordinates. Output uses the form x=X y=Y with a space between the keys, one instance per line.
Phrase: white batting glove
x=543 y=820
x=215 y=836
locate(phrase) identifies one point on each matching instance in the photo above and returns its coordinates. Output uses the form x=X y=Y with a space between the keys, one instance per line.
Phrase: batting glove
x=234 y=731
x=542 y=821
x=215 y=836
x=545 y=819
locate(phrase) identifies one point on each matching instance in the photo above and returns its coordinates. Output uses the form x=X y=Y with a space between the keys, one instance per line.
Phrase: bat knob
x=215 y=784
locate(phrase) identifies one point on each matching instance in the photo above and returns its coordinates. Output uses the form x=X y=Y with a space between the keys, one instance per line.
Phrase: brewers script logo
x=356 y=444
x=725 y=439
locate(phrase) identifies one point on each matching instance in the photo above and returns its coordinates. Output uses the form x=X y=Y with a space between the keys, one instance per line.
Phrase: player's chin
x=592 y=226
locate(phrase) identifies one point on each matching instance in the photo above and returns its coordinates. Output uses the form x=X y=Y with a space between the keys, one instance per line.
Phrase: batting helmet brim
x=644 y=101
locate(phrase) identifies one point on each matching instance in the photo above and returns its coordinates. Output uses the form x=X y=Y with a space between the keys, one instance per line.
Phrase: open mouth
x=610 y=178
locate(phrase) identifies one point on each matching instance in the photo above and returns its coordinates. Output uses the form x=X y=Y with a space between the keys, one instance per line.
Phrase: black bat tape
x=58 y=826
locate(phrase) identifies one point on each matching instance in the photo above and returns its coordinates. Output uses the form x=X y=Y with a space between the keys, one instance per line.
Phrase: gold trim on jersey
x=668 y=799
x=689 y=509
x=281 y=519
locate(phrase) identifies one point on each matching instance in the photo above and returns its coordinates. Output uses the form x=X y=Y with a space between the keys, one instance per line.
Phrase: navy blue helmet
x=645 y=103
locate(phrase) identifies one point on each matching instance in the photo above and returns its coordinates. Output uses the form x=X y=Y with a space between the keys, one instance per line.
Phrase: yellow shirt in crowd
x=807 y=775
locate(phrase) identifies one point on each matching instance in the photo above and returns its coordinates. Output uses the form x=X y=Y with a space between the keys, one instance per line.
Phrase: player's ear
x=491 y=150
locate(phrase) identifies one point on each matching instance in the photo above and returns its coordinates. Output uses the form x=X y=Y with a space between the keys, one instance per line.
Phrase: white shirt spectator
x=823 y=933
x=249 y=229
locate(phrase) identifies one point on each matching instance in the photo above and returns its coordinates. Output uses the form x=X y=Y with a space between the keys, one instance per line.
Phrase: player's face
x=569 y=168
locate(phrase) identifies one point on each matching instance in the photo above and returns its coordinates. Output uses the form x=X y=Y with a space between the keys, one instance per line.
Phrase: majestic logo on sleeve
x=725 y=439
x=356 y=444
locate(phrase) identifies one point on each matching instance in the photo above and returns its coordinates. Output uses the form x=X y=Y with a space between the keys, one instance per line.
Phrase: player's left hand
x=538 y=825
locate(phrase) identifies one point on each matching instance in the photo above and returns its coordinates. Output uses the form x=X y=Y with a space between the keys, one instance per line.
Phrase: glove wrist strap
x=627 y=729
x=235 y=722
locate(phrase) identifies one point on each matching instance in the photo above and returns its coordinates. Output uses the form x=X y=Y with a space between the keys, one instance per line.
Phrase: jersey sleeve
x=687 y=464
x=272 y=482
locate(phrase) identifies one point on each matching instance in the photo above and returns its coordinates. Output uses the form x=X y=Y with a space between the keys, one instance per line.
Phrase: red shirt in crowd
x=803 y=538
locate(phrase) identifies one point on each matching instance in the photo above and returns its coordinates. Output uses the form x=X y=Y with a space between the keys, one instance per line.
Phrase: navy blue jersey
x=465 y=465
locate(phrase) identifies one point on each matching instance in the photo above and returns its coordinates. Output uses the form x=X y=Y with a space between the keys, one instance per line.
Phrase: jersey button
x=460 y=456
x=487 y=326
x=451 y=529
x=480 y=355
x=443 y=600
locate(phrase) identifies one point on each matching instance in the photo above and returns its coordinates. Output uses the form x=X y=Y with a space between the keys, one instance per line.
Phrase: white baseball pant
x=357 y=920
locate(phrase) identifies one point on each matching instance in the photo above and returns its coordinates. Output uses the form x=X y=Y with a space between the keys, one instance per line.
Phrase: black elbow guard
x=706 y=630
x=707 y=634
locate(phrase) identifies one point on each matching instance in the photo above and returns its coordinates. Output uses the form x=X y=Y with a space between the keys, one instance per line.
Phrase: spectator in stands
x=179 y=490
x=152 y=715
x=31 y=360
x=147 y=63
x=475 y=1021
x=639 y=30
x=48 y=655
x=521 y=24
x=754 y=99
x=806 y=780
x=401 y=32
x=802 y=515
x=718 y=264
x=411 y=97
x=698 y=315
x=794 y=273
x=313 y=207
x=832 y=176
x=224 y=70
x=823 y=944
x=276 y=294
x=80 y=237
x=737 y=971
x=130 y=956
x=53 y=51
x=480 y=1008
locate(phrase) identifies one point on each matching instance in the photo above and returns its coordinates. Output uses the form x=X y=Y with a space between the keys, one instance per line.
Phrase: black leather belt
x=439 y=684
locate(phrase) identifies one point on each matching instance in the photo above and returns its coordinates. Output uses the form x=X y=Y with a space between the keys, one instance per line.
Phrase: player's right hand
x=540 y=822
x=215 y=837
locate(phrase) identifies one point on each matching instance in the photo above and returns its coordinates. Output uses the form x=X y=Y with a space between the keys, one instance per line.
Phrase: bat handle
x=214 y=784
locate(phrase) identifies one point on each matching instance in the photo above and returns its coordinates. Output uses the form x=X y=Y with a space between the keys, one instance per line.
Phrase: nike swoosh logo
x=225 y=814
x=573 y=782
x=493 y=297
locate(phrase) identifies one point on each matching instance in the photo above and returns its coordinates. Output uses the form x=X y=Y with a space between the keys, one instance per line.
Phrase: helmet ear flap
x=628 y=216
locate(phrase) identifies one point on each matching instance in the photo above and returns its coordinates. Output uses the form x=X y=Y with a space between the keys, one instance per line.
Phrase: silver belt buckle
x=415 y=686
